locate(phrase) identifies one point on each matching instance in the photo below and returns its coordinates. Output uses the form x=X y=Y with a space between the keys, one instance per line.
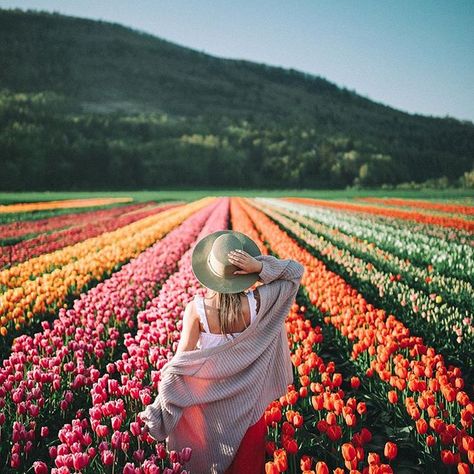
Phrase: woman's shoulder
x=191 y=309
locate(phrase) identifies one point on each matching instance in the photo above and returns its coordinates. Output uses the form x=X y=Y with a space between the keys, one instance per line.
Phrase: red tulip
x=355 y=382
x=447 y=456
x=334 y=432
x=322 y=426
x=366 y=435
x=291 y=446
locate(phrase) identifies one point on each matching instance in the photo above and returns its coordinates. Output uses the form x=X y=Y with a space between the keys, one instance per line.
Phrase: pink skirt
x=250 y=457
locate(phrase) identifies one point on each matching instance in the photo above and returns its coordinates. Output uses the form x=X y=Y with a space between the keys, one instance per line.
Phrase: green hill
x=94 y=104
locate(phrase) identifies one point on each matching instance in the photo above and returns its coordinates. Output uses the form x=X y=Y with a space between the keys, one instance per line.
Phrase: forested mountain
x=90 y=104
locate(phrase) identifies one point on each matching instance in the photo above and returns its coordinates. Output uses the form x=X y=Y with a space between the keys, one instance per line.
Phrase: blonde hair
x=229 y=310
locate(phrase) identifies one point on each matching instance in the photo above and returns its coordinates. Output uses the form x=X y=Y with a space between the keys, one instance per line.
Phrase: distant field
x=463 y=195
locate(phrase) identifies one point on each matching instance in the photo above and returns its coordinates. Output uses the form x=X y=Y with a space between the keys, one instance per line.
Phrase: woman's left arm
x=162 y=415
x=190 y=331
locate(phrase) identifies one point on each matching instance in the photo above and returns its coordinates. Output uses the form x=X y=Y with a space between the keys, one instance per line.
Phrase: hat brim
x=205 y=276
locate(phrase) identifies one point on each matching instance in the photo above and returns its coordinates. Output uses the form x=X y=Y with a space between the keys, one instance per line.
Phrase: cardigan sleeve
x=281 y=279
x=164 y=413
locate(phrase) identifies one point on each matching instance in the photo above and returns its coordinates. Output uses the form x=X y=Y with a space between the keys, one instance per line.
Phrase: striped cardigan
x=208 y=398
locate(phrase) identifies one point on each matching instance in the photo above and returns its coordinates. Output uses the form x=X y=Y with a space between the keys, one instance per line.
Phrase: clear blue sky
x=414 y=55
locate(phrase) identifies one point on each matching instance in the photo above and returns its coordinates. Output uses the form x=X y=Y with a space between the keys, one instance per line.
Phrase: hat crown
x=218 y=261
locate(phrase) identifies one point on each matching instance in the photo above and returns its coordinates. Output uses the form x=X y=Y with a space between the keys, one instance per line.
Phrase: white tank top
x=209 y=339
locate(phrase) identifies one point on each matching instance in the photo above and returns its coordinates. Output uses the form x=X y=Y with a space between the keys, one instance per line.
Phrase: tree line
x=47 y=142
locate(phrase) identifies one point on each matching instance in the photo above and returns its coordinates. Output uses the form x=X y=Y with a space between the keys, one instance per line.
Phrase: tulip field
x=381 y=335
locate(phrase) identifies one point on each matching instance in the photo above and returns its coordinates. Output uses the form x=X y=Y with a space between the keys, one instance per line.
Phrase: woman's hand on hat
x=245 y=262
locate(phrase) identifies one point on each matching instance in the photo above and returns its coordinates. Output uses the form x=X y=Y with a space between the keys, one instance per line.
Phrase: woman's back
x=210 y=335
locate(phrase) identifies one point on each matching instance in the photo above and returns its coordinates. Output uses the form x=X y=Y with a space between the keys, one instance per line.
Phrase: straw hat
x=212 y=267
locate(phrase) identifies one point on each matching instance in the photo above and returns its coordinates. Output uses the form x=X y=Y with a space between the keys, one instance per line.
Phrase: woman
x=232 y=359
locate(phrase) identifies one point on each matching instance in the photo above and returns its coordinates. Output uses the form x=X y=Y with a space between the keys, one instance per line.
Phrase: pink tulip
x=28 y=447
x=135 y=428
x=139 y=455
x=40 y=467
x=102 y=431
x=128 y=469
x=15 y=461
x=116 y=422
x=33 y=410
x=186 y=454
x=107 y=457
x=116 y=440
x=80 y=461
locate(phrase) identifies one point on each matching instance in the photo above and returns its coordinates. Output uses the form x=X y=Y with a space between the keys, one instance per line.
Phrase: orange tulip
x=322 y=468
x=463 y=468
x=421 y=426
x=390 y=450
x=280 y=459
x=271 y=468
x=373 y=458
x=392 y=396
x=348 y=452
x=305 y=462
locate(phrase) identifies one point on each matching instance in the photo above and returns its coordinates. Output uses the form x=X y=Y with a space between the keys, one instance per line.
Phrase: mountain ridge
x=299 y=75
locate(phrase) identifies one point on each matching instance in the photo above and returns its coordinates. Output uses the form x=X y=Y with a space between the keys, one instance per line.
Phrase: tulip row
x=439 y=256
x=452 y=222
x=413 y=376
x=435 y=206
x=27 y=228
x=448 y=327
x=18 y=275
x=64 y=204
x=241 y=222
x=437 y=235
x=48 y=376
x=47 y=243
x=114 y=431
x=100 y=257
x=314 y=419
